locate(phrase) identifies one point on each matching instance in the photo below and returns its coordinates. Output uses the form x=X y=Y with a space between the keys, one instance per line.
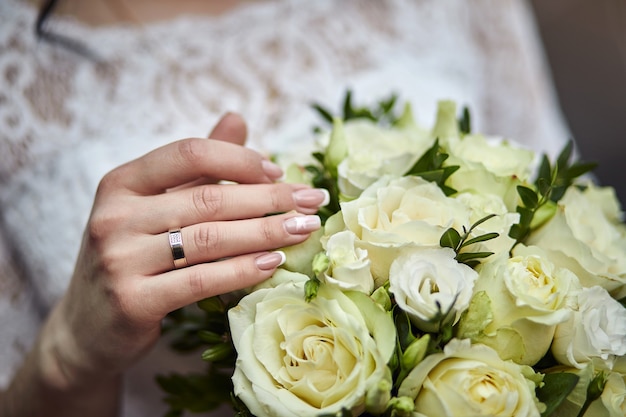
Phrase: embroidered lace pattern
x=65 y=120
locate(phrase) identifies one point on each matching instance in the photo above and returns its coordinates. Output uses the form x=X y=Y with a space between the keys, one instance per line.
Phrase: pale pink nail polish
x=272 y=170
x=302 y=224
x=311 y=197
x=270 y=260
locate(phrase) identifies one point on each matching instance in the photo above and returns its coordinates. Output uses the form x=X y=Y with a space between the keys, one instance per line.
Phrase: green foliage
x=550 y=186
x=430 y=167
x=465 y=122
x=196 y=393
x=203 y=326
x=451 y=238
x=383 y=112
x=556 y=388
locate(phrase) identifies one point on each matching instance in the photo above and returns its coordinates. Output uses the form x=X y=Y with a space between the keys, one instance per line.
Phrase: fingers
x=188 y=285
x=188 y=160
x=211 y=241
x=226 y=202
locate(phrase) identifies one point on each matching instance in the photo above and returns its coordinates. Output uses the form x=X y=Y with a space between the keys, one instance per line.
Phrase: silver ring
x=176 y=244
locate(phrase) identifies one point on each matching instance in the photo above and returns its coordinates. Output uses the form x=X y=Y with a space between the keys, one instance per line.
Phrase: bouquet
x=455 y=275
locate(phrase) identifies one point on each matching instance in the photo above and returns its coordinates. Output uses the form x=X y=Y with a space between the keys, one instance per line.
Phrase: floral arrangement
x=455 y=275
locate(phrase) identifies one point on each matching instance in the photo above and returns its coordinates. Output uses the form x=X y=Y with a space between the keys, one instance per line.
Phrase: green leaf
x=465 y=122
x=528 y=196
x=325 y=114
x=565 y=155
x=450 y=239
x=464 y=257
x=556 y=388
x=482 y=238
x=218 y=352
x=212 y=305
x=581 y=168
x=210 y=337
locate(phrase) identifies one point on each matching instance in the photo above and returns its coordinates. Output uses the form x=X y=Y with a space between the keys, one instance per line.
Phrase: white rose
x=429 y=281
x=374 y=151
x=394 y=214
x=585 y=236
x=349 y=267
x=489 y=167
x=528 y=296
x=471 y=380
x=595 y=332
x=305 y=359
x=482 y=205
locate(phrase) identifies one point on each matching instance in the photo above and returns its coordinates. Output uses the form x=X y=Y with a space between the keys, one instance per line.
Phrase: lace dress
x=65 y=120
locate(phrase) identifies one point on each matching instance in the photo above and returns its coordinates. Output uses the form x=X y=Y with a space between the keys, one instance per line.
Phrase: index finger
x=187 y=160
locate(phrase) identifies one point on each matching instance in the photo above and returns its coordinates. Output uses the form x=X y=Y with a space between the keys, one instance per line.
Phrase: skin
x=111 y=12
x=125 y=283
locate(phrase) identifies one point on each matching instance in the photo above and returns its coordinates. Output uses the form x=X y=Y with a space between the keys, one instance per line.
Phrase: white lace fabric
x=65 y=120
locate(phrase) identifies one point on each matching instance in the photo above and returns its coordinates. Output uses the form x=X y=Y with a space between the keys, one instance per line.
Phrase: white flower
x=374 y=151
x=395 y=214
x=471 y=380
x=482 y=205
x=528 y=296
x=305 y=359
x=429 y=281
x=349 y=267
x=585 y=236
x=595 y=332
x=489 y=167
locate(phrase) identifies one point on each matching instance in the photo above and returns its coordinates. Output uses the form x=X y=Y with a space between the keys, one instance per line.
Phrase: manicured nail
x=272 y=170
x=311 y=197
x=302 y=224
x=270 y=260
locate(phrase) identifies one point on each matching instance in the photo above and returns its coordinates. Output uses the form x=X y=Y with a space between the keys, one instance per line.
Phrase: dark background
x=585 y=43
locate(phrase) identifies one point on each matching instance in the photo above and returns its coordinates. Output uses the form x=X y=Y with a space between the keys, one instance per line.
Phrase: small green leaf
x=210 y=337
x=463 y=257
x=481 y=238
x=465 y=122
x=326 y=115
x=528 y=196
x=217 y=352
x=450 y=239
x=556 y=388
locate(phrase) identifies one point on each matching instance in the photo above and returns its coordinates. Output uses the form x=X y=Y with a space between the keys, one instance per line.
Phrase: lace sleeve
x=19 y=316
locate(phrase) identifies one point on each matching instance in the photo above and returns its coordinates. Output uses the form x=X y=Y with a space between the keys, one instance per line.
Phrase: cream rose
x=395 y=214
x=489 y=167
x=586 y=236
x=349 y=266
x=374 y=151
x=595 y=332
x=482 y=205
x=527 y=297
x=471 y=380
x=305 y=359
x=426 y=282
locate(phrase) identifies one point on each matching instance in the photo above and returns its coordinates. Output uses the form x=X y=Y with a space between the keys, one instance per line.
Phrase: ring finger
x=210 y=241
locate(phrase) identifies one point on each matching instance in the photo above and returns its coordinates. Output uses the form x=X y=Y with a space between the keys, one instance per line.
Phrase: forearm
x=42 y=387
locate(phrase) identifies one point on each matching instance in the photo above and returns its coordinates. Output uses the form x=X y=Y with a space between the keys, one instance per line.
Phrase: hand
x=125 y=281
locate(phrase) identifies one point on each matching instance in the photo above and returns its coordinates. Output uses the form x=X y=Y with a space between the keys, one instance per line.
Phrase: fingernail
x=311 y=197
x=271 y=260
x=272 y=170
x=302 y=224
